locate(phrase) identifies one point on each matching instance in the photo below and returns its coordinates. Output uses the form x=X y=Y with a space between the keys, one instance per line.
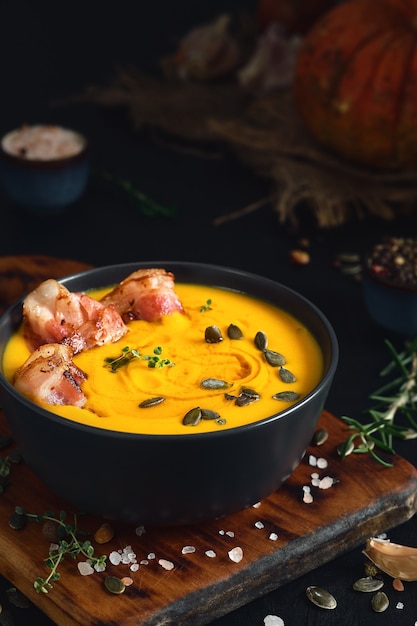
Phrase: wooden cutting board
x=281 y=539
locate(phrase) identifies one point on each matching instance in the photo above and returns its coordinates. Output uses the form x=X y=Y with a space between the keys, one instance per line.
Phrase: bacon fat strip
x=50 y=375
x=146 y=294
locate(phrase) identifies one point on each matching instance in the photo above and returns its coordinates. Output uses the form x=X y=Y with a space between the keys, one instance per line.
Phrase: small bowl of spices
x=390 y=284
x=44 y=168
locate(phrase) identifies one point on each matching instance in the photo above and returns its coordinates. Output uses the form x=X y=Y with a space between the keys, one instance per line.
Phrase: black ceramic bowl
x=170 y=479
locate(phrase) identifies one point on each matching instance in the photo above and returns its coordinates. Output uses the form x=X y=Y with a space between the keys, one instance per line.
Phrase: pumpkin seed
x=274 y=358
x=320 y=436
x=192 y=417
x=17 y=519
x=214 y=383
x=286 y=396
x=286 y=376
x=213 y=334
x=368 y=584
x=380 y=602
x=247 y=396
x=114 y=585
x=261 y=340
x=345 y=448
x=320 y=597
x=208 y=414
x=104 y=533
x=145 y=404
x=234 y=332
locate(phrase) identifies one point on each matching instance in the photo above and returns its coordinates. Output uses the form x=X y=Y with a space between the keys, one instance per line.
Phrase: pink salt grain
x=236 y=554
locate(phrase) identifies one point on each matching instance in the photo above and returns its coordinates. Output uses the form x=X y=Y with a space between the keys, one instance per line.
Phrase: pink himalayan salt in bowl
x=44 y=168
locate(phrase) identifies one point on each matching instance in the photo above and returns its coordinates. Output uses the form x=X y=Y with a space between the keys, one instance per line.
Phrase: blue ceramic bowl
x=391 y=306
x=170 y=479
x=45 y=187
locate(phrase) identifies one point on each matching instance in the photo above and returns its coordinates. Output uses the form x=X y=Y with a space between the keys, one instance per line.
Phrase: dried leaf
x=394 y=559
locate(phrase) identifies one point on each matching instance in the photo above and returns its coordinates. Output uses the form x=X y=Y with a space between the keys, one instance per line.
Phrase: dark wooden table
x=48 y=52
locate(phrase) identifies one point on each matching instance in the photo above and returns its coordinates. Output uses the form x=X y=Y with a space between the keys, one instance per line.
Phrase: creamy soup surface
x=114 y=396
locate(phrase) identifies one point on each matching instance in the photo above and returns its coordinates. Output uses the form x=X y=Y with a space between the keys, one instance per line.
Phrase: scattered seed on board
x=368 y=584
x=380 y=602
x=104 y=534
x=398 y=584
x=114 y=585
x=320 y=436
x=17 y=519
x=320 y=597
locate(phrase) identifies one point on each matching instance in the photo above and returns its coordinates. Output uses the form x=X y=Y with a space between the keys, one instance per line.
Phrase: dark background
x=50 y=51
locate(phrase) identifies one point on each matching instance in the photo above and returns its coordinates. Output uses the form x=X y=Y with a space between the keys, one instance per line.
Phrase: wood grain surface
x=281 y=539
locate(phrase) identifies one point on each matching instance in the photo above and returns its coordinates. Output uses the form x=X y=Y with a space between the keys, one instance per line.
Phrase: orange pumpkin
x=355 y=83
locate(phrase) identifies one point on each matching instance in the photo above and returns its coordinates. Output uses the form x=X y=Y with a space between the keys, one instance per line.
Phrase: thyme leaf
x=148 y=206
x=207 y=306
x=154 y=360
x=69 y=545
x=397 y=397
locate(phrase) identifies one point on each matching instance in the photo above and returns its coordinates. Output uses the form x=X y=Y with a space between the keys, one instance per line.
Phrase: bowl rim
x=14 y=309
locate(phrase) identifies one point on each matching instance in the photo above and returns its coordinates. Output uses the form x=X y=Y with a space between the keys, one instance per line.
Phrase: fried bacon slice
x=146 y=294
x=49 y=375
x=53 y=314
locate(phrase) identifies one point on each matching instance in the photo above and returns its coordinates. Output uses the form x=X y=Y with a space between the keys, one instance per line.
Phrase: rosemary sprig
x=68 y=546
x=127 y=355
x=396 y=397
x=147 y=205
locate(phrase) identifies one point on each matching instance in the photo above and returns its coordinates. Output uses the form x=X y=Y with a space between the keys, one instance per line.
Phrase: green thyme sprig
x=398 y=397
x=68 y=545
x=147 y=205
x=207 y=306
x=154 y=360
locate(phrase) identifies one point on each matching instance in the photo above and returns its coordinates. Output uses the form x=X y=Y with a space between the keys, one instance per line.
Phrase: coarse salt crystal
x=151 y=555
x=307 y=497
x=144 y=562
x=188 y=550
x=140 y=530
x=399 y=605
x=85 y=569
x=221 y=532
x=326 y=482
x=306 y=488
x=236 y=554
x=210 y=553
x=100 y=567
x=273 y=620
x=115 y=558
x=230 y=533
x=134 y=567
x=322 y=463
x=256 y=505
x=166 y=564
x=259 y=525
x=312 y=460
x=273 y=536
